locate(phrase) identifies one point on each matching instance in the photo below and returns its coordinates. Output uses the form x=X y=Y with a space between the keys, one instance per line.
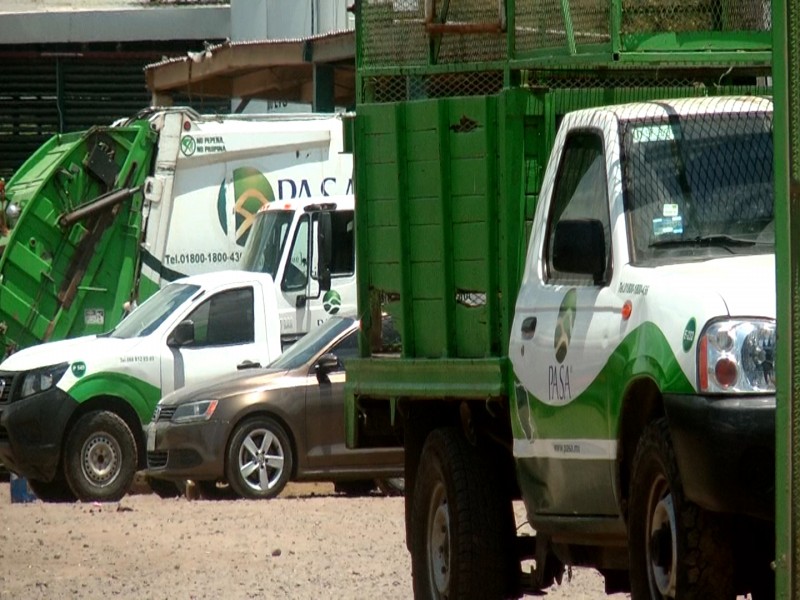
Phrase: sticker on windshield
x=654 y=133
x=668 y=225
x=670 y=210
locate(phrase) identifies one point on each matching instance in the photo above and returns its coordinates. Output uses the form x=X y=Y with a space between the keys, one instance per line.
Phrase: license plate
x=151 y=437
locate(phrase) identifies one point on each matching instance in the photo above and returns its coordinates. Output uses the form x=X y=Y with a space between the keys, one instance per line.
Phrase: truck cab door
x=213 y=339
x=306 y=302
x=563 y=336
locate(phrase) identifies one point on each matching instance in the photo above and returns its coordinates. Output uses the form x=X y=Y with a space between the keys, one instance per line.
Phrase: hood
x=53 y=353
x=745 y=285
x=228 y=385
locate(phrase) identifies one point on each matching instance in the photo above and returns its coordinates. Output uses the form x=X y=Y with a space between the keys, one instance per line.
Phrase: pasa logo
x=564 y=325
x=252 y=191
x=331 y=302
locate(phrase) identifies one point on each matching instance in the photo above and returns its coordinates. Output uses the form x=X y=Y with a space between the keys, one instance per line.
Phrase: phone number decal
x=201 y=258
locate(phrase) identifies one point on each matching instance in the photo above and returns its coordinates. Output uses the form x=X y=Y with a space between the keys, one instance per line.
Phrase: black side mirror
x=579 y=247
x=182 y=335
x=326 y=363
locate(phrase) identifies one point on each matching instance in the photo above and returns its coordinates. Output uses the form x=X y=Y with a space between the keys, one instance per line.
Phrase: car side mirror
x=326 y=363
x=579 y=247
x=182 y=335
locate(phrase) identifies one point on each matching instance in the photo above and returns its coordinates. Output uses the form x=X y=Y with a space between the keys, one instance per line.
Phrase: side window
x=295 y=276
x=346 y=348
x=343 y=258
x=225 y=318
x=579 y=214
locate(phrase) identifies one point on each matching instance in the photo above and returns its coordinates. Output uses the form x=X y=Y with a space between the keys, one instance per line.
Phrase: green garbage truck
x=567 y=208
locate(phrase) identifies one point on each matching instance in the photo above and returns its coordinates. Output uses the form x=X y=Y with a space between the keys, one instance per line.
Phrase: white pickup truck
x=72 y=411
x=643 y=346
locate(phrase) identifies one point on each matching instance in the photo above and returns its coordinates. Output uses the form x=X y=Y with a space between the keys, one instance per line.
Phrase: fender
x=139 y=394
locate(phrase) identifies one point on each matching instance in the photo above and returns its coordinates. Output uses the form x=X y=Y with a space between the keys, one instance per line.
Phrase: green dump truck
x=567 y=209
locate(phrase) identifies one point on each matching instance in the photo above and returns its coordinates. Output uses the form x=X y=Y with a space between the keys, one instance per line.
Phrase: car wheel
x=393 y=486
x=259 y=459
x=52 y=491
x=164 y=488
x=100 y=457
x=462 y=528
x=677 y=549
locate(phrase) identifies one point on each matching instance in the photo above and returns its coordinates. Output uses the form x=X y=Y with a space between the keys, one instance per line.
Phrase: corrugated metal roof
x=267 y=69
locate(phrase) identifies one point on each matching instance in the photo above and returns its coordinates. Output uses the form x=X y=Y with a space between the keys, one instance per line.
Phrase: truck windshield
x=262 y=253
x=146 y=318
x=312 y=343
x=698 y=186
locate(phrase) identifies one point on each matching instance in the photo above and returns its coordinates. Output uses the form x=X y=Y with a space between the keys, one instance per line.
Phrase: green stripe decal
x=594 y=414
x=141 y=395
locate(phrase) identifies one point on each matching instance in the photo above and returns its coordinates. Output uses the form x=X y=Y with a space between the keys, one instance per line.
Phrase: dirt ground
x=307 y=544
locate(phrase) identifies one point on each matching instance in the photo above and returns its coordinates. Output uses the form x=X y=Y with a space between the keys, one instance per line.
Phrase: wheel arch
x=120 y=407
x=642 y=403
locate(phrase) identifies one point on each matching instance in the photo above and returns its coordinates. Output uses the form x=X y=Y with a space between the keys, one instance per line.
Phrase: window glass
x=146 y=318
x=264 y=247
x=581 y=192
x=296 y=275
x=698 y=186
x=225 y=318
x=342 y=252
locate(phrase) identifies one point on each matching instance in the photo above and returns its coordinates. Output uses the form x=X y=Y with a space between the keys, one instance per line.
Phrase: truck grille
x=6 y=383
x=164 y=413
x=157 y=460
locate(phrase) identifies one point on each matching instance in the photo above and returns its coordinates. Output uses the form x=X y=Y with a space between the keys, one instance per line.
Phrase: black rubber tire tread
x=213 y=490
x=164 y=488
x=483 y=565
x=232 y=458
x=705 y=555
x=52 y=491
x=114 y=426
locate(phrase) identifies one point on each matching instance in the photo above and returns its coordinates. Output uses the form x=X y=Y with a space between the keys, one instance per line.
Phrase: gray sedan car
x=260 y=428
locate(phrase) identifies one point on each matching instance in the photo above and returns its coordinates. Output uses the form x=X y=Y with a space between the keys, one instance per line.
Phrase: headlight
x=194 y=411
x=42 y=379
x=737 y=356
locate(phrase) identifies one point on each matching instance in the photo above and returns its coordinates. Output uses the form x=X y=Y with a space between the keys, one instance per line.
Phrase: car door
x=562 y=336
x=325 y=408
x=224 y=337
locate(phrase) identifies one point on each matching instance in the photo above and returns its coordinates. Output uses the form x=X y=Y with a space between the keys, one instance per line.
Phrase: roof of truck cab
x=224 y=278
x=345 y=202
x=681 y=106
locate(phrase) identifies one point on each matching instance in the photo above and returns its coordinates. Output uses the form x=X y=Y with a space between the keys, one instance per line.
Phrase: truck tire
x=462 y=529
x=259 y=459
x=52 y=491
x=677 y=549
x=100 y=457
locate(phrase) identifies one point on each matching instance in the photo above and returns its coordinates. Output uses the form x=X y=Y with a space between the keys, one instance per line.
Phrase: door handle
x=528 y=327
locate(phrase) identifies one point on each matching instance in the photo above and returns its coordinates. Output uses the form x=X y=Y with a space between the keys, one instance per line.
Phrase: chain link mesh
x=697 y=179
x=393 y=33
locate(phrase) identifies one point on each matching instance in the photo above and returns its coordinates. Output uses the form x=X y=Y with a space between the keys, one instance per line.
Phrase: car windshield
x=698 y=186
x=308 y=346
x=262 y=253
x=146 y=318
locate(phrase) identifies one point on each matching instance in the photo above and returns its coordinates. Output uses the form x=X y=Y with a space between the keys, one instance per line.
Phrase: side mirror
x=579 y=247
x=248 y=364
x=326 y=363
x=182 y=335
x=325 y=246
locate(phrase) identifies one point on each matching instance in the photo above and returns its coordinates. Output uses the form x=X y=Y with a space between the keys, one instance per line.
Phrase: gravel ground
x=308 y=543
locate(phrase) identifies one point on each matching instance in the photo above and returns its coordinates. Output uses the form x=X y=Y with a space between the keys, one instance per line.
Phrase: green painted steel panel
x=55 y=279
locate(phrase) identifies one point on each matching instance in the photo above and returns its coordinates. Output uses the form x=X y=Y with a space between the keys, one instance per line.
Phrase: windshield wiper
x=706 y=240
